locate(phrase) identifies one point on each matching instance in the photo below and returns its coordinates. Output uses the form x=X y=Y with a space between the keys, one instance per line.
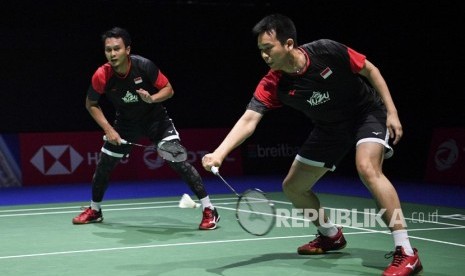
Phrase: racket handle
x=122 y=140
x=215 y=170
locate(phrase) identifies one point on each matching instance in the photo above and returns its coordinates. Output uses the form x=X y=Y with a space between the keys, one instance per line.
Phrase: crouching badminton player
x=136 y=87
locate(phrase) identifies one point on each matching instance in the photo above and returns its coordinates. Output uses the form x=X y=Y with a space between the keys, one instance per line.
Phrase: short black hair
x=118 y=32
x=283 y=26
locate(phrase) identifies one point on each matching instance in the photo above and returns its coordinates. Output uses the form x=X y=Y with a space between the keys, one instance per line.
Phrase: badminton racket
x=168 y=150
x=255 y=213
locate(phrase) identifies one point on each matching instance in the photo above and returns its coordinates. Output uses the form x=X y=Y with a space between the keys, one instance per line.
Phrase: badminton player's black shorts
x=154 y=130
x=327 y=145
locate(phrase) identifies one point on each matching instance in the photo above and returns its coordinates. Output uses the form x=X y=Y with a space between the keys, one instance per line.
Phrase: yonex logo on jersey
x=318 y=98
x=130 y=98
x=56 y=160
x=326 y=73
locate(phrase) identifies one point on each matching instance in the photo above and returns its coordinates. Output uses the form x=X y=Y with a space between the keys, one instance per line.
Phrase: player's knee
x=178 y=166
x=184 y=168
x=107 y=163
x=367 y=171
x=291 y=187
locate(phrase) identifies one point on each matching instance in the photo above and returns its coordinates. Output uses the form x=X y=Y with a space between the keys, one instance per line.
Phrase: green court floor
x=153 y=236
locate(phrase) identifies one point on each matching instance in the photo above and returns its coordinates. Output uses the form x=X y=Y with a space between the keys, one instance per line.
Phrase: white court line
x=365 y=230
x=154 y=246
x=175 y=206
x=42 y=211
x=103 y=205
x=175 y=245
x=359 y=212
x=76 y=210
x=74 y=207
x=387 y=232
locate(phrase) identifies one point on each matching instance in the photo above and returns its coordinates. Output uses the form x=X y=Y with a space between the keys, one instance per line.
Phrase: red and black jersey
x=121 y=90
x=328 y=90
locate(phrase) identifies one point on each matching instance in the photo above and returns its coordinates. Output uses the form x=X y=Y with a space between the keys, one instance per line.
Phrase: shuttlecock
x=187 y=202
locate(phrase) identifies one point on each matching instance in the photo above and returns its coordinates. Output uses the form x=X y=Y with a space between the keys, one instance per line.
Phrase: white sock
x=206 y=203
x=95 y=205
x=328 y=230
x=401 y=239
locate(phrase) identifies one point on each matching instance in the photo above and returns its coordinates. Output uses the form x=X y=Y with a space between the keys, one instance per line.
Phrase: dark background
x=49 y=51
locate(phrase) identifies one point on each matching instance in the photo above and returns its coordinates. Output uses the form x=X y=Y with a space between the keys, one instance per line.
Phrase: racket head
x=172 y=151
x=255 y=213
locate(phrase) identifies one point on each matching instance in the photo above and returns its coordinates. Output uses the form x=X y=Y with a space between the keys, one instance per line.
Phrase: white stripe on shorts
x=114 y=154
x=389 y=152
x=312 y=162
x=171 y=137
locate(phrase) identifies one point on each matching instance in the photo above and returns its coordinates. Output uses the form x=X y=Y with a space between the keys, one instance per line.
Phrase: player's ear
x=290 y=43
x=128 y=50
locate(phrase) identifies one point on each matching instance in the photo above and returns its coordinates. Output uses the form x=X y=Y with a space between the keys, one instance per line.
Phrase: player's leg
x=93 y=213
x=166 y=131
x=191 y=176
x=109 y=158
x=369 y=166
x=370 y=152
x=369 y=159
x=101 y=177
x=318 y=155
x=297 y=187
x=298 y=184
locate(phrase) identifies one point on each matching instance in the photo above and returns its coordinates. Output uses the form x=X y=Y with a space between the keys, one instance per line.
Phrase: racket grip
x=215 y=170
x=122 y=140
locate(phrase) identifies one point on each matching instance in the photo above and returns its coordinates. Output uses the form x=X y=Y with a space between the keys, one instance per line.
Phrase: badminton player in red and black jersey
x=350 y=105
x=136 y=87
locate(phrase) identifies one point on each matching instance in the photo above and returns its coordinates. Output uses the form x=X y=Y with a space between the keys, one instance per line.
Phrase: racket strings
x=172 y=151
x=172 y=148
x=255 y=212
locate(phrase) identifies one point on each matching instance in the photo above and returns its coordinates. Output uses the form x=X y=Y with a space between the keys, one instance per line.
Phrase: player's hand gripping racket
x=168 y=150
x=255 y=213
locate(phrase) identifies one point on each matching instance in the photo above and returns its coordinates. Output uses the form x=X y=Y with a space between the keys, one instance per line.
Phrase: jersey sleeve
x=156 y=77
x=357 y=60
x=161 y=81
x=265 y=96
x=98 y=83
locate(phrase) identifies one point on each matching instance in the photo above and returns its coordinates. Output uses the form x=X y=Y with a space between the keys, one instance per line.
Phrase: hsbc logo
x=152 y=160
x=56 y=160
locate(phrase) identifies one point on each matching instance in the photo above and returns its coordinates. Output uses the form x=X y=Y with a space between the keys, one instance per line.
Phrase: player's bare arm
x=162 y=95
x=97 y=114
x=242 y=130
x=373 y=75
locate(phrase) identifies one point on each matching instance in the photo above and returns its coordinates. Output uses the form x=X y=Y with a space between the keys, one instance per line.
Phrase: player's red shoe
x=322 y=244
x=209 y=220
x=403 y=264
x=88 y=216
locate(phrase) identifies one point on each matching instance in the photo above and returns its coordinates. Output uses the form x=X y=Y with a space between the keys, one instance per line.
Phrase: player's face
x=116 y=52
x=272 y=51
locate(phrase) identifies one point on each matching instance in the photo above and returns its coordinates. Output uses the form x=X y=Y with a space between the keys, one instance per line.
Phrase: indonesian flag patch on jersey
x=326 y=73
x=138 y=80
